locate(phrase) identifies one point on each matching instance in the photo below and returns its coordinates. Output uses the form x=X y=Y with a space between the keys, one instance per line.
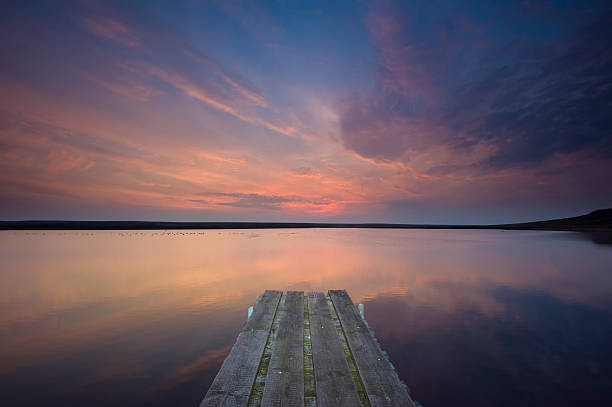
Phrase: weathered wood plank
x=334 y=383
x=285 y=378
x=381 y=382
x=232 y=385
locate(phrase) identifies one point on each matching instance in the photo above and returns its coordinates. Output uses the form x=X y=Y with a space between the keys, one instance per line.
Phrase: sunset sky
x=414 y=111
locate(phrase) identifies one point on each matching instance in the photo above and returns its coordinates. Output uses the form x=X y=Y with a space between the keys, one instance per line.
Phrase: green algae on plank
x=363 y=396
x=262 y=371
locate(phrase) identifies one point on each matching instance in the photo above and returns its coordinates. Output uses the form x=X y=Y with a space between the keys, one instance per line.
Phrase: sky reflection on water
x=146 y=318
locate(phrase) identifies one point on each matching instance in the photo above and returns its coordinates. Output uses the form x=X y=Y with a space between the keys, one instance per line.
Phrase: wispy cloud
x=112 y=29
x=199 y=93
x=263 y=201
x=128 y=88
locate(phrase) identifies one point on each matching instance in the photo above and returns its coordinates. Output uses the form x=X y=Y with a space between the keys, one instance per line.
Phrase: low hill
x=599 y=220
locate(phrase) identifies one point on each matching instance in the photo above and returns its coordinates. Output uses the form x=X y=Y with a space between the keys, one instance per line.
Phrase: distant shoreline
x=599 y=220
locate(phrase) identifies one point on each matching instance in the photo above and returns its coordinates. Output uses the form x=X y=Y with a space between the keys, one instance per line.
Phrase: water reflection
x=534 y=350
x=146 y=318
x=603 y=237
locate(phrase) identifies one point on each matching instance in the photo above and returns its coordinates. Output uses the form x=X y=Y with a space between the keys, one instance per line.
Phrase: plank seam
x=260 y=378
x=310 y=384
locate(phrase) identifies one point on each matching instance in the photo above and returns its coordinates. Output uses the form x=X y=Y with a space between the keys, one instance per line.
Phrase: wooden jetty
x=314 y=350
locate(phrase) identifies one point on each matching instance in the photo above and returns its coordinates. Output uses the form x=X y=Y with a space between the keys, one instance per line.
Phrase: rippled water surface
x=469 y=318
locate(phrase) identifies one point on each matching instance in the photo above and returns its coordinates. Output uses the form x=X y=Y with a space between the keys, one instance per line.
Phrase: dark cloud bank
x=539 y=87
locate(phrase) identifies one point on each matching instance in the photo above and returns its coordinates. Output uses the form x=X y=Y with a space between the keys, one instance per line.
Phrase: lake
x=468 y=317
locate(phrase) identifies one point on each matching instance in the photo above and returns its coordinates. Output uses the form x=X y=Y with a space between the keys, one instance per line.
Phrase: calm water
x=469 y=318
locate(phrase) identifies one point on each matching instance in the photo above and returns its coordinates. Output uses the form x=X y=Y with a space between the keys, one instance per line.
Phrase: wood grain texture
x=285 y=378
x=333 y=380
x=381 y=382
x=232 y=385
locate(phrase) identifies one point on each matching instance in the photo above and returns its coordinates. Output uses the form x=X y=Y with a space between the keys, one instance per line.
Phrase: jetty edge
x=299 y=350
